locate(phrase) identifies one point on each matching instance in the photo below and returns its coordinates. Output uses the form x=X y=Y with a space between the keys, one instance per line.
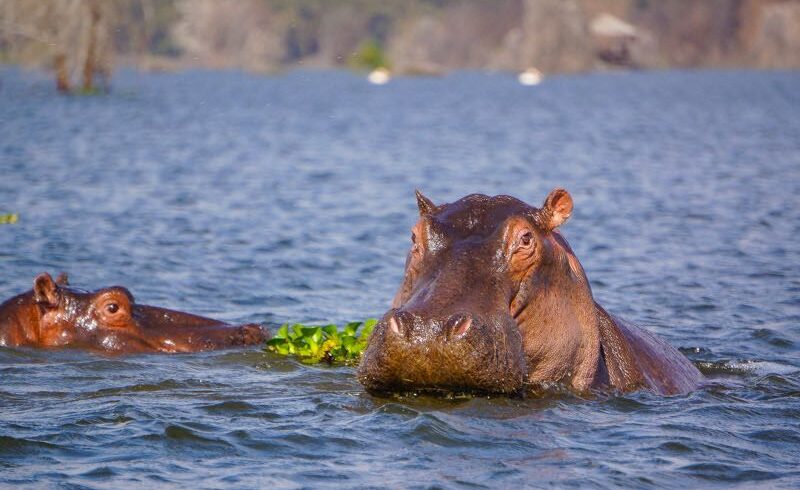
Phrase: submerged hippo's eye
x=413 y=237
x=526 y=239
x=113 y=309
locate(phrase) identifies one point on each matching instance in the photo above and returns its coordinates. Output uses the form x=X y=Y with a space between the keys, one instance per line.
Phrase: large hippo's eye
x=526 y=239
x=417 y=239
x=112 y=308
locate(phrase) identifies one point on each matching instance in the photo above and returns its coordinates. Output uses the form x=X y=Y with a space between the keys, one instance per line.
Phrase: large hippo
x=495 y=301
x=56 y=315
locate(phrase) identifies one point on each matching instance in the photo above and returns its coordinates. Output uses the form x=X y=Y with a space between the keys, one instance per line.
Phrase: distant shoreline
x=180 y=67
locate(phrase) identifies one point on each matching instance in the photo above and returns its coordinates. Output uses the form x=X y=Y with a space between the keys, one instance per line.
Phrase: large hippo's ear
x=556 y=210
x=45 y=290
x=426 y=206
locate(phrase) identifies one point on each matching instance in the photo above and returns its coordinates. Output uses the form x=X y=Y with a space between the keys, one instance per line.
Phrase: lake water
x=290 y=198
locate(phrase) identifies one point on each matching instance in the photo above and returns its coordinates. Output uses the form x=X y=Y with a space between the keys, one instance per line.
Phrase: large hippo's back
x=636 y=358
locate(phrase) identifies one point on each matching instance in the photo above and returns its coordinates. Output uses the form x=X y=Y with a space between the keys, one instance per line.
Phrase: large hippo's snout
x=458 y=352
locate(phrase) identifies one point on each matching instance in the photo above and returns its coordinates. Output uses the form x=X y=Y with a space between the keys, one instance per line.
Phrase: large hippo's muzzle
x=459 y=352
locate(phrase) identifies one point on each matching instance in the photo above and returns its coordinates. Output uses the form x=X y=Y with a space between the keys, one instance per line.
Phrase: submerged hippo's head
x=454 y=322
x=54 y=314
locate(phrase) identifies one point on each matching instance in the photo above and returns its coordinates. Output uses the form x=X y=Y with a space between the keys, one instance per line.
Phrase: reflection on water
x=291 y=199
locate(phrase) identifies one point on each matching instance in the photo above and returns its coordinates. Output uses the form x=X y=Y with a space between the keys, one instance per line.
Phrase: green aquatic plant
x=313 y=344
x=8 y=219
x=90 y=91
x=368 y=56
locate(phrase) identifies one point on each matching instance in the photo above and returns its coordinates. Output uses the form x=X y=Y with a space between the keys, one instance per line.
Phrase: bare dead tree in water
x=73 y=34
x=89 y=65
x=62 y=74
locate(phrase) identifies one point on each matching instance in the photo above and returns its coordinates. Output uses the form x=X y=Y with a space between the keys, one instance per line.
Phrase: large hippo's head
x=454 y=323
x=109 y=319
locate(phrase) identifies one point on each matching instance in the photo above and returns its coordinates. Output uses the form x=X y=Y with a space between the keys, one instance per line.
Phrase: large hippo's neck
x=556 y=314
x=19 y=320
x=571 y=339
x=634 y=358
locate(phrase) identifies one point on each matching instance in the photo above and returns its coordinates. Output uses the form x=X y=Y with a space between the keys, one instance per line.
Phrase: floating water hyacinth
x=8 y=219
x=313 y=344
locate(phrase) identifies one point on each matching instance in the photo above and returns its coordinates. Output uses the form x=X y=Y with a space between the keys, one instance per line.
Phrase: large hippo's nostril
x=401 y=324
x=458 y=325
x=394 y=326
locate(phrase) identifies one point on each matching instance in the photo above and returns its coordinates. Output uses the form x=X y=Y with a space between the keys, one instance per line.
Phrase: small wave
x=434 y=430
x=776 y=435
x=13 y=446
x=181 y=433
x=116 y=420
x=175 y=435
x=772 y=337
x=746 y=367
x=721 y=472
x=164 y=385
x=100 y=473
x=229 y=406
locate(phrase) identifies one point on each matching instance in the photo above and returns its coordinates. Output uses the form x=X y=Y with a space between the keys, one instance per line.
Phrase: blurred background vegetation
x=82 y=40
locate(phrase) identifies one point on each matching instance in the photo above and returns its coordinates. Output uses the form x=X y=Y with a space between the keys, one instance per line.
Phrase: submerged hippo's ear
x=556 y=210
x=45 y=290
x=62 y=279
x=426 y=206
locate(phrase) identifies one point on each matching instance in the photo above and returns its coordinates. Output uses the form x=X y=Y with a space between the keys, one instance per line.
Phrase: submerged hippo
x=494 y=299
x=56 y=315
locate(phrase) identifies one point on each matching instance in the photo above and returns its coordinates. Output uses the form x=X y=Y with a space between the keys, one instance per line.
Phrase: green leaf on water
x=369 y=325
x=312 y=344
x=332 y=331
x=350 y=328
x=8 y=219
x=282 y=332
x=297 y=331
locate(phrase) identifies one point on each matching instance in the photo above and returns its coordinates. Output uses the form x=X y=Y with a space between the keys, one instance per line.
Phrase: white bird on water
x=531 y=76
x=379 y=76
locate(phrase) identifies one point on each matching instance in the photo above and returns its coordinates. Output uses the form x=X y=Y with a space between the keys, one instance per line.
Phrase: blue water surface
x=290 y=198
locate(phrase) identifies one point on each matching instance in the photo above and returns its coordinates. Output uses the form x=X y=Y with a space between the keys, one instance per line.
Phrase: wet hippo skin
x=53 y=314
x=494 y=300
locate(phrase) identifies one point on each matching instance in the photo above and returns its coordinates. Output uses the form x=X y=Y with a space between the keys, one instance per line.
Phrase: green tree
x=369 y=56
